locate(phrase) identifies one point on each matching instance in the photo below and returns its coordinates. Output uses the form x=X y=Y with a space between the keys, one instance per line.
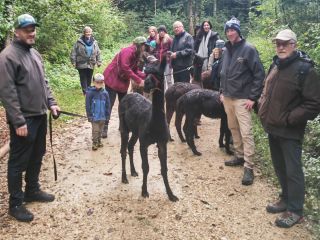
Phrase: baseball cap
x=139 y=40
x=98 y=77
x=25 y=20
x=286 y=35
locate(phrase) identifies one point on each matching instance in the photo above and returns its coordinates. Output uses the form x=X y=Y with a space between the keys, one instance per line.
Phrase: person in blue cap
x=26 y=96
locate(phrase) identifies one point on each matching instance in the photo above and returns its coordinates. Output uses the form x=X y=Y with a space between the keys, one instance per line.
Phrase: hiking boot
x=38 y=196
x=277 y=207
x=100 y=144
x=21 y=213
x=247 y=176
x=288 y=219
x=234 y=162
x=95 y=146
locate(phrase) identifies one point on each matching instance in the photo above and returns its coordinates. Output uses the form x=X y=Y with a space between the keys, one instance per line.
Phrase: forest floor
x=92 y=203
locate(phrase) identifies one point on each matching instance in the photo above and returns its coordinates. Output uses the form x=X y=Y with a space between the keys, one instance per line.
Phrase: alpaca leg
x=178 y=126
x=123 y=151
x=169 y=114
x=190 y=135
x=133 y=140
x=224 y=131
x=196 y=123
x=162 y=154
x=145 y=169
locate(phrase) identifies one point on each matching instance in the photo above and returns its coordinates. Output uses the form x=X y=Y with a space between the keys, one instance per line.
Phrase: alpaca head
x=154 y=70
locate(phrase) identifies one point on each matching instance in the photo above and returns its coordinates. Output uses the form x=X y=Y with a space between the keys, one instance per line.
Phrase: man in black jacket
x=241 y=75
x=289 y=99
x=26 y=97
x=181 y=54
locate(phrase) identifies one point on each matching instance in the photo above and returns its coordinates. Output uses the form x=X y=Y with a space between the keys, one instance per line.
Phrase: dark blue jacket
x=97 y=104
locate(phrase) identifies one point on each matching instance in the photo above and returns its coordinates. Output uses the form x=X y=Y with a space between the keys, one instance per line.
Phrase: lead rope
x=50 y=133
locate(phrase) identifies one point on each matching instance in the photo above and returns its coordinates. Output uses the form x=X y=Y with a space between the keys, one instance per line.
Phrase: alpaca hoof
x=171 y=139
x=173 y=198
x=145 y=194
x=134 y=174
x=197 y=153
x=197 y=137
x=221 y=145
x=125 y=180
x=183 y=140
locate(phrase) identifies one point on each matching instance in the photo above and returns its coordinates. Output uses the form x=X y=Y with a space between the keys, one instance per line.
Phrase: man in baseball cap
x=26 y=96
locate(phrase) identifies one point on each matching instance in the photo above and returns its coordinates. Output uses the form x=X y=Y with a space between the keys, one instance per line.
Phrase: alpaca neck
x=158 y=105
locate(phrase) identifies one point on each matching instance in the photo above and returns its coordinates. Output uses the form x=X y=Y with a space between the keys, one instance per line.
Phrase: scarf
x=203 y=50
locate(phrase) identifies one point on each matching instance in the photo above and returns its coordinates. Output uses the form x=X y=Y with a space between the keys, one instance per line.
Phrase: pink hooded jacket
x=123 y=67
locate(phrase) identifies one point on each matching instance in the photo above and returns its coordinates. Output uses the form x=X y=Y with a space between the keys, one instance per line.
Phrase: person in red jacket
x=122 y=69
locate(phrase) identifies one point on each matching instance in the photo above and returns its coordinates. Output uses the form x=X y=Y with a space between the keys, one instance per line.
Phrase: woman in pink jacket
x=121 y=70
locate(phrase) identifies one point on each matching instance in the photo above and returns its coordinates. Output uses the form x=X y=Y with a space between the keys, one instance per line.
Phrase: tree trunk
x=190 y=16
x=8 y=17
x=214 y=8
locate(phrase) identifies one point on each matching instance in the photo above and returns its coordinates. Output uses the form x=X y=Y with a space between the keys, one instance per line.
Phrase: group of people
x=287 y=97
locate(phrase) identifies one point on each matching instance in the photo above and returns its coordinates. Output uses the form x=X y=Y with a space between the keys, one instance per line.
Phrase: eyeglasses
x=176 y=27
x=283 y=44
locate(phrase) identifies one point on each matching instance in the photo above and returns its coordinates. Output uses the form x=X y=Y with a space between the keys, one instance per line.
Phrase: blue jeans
x=286 y=159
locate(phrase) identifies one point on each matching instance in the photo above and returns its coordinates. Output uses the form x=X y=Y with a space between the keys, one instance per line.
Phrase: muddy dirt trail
x=92 y=203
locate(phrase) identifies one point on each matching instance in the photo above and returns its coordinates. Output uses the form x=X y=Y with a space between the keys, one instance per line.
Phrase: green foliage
x=70 y=100
x=262 y=158
x=62 y=23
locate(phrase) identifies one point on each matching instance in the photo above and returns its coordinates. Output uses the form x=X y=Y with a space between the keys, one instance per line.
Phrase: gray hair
x=87 y=29
x=177 y=24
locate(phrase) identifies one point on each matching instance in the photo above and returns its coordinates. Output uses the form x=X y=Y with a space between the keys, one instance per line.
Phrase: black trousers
x=112 y=96
x=26 y=155
x=286 y=159
x=85 y=78
x=183 y=76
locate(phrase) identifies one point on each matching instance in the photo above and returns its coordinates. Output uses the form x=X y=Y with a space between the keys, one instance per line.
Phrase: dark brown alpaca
x=195 y=103
x=147 y=123
x=172 y=94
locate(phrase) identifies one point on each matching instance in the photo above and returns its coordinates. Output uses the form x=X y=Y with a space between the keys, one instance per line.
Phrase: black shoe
x=39 y=196
x=277 y=207
x=247 y=177
x=234 y=162
x=21 y=213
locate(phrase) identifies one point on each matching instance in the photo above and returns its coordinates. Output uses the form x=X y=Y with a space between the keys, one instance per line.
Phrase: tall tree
x=6 y=28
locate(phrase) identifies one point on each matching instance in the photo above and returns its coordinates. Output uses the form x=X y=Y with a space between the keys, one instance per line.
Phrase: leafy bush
x=62 y=22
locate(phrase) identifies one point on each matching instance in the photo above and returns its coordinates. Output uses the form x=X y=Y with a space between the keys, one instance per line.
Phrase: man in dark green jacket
x=26 y=97
x=290 y=98
x=241 y=75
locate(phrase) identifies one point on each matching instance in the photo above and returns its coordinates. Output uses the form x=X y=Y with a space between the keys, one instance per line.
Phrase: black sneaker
x=247 y=176
x=288 y=219
x=277 y=207
x=39 y=196
x=21 y=213
x=234 y=162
